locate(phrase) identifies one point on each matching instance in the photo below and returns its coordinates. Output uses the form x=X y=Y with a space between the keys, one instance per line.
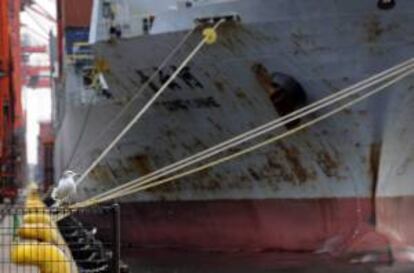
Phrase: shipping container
x=77 y=13
x=45 y=155
x=75 y=35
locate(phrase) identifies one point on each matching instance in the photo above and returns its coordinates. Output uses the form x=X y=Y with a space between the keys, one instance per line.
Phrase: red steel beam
x=34 y=49
x=42 y=82
x=42 y=12
x=14 y=13
x=35 y=70
x=4 y=68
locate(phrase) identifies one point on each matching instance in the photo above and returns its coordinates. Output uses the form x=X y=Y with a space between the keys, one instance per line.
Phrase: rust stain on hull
x=292 y=156
x=375 y=29
x=374 y=164
x=328 y=164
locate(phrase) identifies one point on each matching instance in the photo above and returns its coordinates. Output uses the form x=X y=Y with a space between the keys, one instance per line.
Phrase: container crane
x=35 y=76
x=12 y=128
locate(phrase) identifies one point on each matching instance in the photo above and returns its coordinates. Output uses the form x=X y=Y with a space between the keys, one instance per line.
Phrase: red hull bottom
x=335 y=226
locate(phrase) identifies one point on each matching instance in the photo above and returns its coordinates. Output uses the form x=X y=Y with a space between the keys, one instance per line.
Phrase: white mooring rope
x=119 y=114
x=203 y=42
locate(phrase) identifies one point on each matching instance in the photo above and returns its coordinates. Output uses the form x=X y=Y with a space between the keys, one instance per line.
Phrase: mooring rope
x=209 y=37
x=114 y=120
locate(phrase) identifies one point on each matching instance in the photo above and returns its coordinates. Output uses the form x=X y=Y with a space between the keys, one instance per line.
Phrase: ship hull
x=338 y=227
x=329 y=188
x=248 y=225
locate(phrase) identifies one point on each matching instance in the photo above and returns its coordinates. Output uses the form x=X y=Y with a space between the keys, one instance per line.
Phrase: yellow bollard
x=49 y=258
x=41 y=232
x=37 y=218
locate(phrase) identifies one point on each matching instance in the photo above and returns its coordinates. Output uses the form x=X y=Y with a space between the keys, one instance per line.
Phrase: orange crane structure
x=36 y=76
x=12 y=125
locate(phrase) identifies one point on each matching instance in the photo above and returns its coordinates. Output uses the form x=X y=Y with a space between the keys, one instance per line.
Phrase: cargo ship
x=341 y=186
x=12 y=125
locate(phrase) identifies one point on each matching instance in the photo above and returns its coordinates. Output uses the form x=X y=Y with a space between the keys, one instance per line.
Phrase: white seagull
x=66 y=187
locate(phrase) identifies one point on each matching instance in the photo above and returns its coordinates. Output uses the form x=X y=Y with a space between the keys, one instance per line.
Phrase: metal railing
x=31 y=244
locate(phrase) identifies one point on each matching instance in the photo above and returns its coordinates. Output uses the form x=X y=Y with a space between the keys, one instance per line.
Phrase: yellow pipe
x=41 y=232
x=33 y=194
x=32 y=187
x=35 y=203
x=37 y=218
x=34 y=200
x=33 y=207
x=49 y=258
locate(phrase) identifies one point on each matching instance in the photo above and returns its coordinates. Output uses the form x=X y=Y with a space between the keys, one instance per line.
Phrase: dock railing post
x=116 y=238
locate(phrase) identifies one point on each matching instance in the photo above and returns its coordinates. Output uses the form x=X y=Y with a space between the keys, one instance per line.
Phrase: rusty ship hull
x=343 y=185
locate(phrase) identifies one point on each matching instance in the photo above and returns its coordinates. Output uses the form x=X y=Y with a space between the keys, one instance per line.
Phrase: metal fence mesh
x=33 y=241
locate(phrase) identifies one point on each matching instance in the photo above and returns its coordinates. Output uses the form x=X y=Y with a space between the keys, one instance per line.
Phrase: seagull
x=66 y=187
